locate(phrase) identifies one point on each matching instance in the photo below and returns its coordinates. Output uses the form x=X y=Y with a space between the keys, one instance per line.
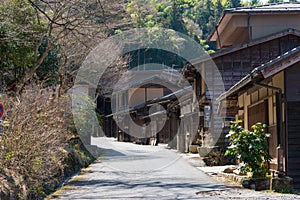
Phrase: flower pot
x=261 y=183
x=203 y=151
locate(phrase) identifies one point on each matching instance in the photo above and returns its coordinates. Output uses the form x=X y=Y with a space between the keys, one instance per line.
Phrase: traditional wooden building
x=180 y=113
x=132 y=99
x=271 y=94
x=247 y=38
x=267 y=93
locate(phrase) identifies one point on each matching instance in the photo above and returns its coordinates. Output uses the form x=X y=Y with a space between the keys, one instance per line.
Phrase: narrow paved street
x=130 y=171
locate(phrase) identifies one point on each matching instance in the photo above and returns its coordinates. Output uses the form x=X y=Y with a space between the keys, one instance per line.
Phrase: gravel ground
x=235 y=191
x=239 y=193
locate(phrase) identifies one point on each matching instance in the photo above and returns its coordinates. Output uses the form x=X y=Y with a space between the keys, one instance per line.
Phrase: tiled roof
x=279 y=7
x=248 y=79
x=244 y=45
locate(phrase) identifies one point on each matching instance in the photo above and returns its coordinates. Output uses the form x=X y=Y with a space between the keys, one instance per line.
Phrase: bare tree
x=75 y=26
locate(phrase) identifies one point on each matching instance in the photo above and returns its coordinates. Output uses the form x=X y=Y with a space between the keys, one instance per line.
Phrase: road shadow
x=162 y=184
x=98 y=152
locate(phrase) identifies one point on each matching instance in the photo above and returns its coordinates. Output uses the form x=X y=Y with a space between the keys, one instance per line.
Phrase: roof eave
x=214 y=33
x=257 y=74
x=255 y=42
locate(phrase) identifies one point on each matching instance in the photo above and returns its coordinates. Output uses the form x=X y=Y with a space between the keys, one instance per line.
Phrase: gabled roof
x=277 y=8
x=138 y=78
x=277 y=35
x=172 y=96
x=264 y=71
x=160 y=100
x=239 y=47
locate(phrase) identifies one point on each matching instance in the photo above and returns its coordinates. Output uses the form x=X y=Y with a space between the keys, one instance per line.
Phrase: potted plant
x=251 y=148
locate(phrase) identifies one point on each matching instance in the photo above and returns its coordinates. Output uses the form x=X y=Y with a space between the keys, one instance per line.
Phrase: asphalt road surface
x=131 y=171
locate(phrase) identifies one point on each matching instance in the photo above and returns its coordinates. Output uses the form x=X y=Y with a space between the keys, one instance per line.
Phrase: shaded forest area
x=45 y=42
x=42 y=46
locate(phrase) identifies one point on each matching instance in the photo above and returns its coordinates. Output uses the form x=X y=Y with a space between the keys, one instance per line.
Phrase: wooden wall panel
x=293 y=83
x=258 y=113
x=293 y=130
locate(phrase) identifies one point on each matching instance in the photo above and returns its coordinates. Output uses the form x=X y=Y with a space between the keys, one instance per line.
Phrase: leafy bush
x=250 y=147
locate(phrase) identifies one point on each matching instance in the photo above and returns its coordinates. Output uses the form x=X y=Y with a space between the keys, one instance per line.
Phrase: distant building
x=131 y=99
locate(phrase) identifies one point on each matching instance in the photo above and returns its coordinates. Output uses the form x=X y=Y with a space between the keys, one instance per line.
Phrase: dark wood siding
x=293 y=83
x=164 y=133
x=293 y=122
x=234 y=66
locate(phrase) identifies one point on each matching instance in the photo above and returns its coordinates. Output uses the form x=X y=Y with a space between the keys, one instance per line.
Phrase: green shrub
x=250 y=147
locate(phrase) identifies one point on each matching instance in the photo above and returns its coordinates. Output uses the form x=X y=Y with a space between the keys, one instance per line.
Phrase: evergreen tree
x=234 y=3
x=218 y=9
x=255 y=2
x=175 y=18
x=197 y=18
